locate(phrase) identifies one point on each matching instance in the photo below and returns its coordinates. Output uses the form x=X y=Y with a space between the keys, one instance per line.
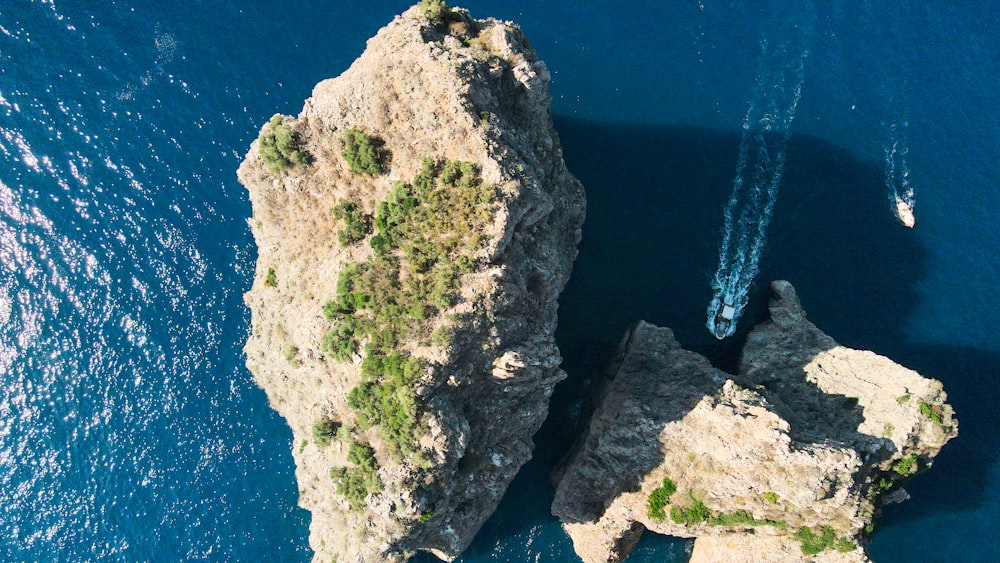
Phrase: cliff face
x=787 y=461
x=448 y=344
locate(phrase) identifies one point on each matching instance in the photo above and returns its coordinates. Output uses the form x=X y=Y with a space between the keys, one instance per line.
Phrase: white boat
x=905 y=213
x=724 y=321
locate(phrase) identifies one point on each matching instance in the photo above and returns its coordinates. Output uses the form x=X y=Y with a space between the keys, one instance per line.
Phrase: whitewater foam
x=759 y=169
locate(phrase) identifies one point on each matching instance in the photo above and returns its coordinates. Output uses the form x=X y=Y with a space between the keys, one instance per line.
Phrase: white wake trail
x=897 y=175
x=759 y=169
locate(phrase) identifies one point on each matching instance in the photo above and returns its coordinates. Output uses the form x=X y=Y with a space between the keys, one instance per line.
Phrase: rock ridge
x=787 y=461
x=447 y=105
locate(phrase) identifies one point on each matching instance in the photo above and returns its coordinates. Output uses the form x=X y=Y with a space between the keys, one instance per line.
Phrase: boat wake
x=892 y=89
x=759 y=170
x=897 y=176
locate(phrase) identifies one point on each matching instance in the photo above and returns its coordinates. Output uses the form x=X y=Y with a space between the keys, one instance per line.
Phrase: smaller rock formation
x=788 y=461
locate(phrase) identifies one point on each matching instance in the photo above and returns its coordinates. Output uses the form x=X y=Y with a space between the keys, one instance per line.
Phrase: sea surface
x=130 y=429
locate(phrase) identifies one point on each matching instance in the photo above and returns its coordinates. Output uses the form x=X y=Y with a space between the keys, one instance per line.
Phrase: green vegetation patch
x=385 y=398
x=697 y=513
x=814 y=543
x=272 y=278
x=323 y=431
x=291 y=353
x=743 y=518
x=906 y=465
x=428 y=233
x=357 y=225
x=443 y=336
x=342 y=341
x=660 y=498
x=426 y=516
x=356 y=483
x=771 y=497
x=434 y=10
x=281 y=148
x=363 y=153
x=931 y=413
x=844 y=545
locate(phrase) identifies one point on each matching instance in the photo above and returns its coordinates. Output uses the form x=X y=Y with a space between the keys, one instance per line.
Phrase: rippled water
x=130 y=429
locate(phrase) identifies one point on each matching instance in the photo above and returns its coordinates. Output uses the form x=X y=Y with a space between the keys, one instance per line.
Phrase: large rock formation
x=786 y=462
x=445 y=333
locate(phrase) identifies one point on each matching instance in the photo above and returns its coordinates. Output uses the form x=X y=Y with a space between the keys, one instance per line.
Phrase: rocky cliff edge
x=788 y=461
x=415 y=225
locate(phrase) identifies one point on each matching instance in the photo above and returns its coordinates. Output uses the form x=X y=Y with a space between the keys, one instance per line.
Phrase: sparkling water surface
x=130 y=429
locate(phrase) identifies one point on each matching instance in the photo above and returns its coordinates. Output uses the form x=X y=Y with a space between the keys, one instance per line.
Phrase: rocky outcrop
x=788 y=461
x=427 y=92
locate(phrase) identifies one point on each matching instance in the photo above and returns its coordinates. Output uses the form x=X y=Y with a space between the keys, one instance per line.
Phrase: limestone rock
x=808 y=436
x=751 y=548
x=467 y=90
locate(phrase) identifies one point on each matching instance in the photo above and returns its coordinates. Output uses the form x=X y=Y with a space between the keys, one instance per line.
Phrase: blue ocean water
x=130 y=429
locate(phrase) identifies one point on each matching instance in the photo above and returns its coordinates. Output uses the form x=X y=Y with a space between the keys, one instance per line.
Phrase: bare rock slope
x=403 y=309
x=788 y=461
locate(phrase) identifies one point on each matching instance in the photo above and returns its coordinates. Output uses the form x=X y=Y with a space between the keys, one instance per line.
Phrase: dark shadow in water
x=650 y=243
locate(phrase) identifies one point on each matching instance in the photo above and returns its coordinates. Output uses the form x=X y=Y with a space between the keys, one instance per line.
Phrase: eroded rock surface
x=458 y=90
x=792 y=456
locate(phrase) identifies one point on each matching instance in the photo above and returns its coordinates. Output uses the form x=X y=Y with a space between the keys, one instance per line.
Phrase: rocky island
x=415 y=226
x=787 y=461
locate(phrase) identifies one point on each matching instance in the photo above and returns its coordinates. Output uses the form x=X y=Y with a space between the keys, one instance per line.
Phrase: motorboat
x=905 y=213
x=723 y=325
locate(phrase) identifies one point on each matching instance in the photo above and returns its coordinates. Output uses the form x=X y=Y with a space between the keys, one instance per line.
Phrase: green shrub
x=659 y=498
x=357 y=225
x=694 y=514
x=272 y=278
x=341 y=342
x=426 y=516
x=363 y=153
x=386 y=399
x=356 y=483
x=434 y=10
x=281 y=148
x=906 y=465
x=771 y=497
x=443 y=336
x=349 y=297
x=903 y=399
x=323 y=431
x=813 y=543
x=292 y=355
x=931 y=413
x=844 y=545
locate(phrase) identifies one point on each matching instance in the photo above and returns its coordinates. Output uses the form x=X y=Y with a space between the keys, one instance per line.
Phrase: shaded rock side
x=811 y=436
x=459 y=89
